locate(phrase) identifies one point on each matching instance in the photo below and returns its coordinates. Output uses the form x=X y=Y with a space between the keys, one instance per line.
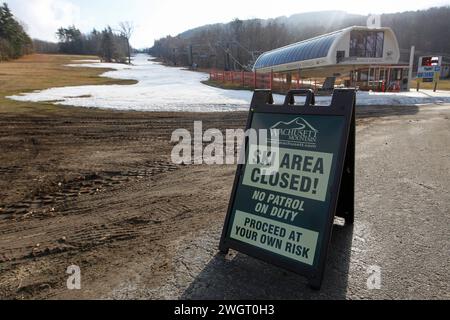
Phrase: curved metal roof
x=305 y=50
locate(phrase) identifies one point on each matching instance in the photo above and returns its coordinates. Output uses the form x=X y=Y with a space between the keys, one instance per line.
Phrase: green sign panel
x=286 y=194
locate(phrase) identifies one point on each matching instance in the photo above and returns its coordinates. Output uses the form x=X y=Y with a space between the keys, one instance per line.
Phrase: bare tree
x=126 y=30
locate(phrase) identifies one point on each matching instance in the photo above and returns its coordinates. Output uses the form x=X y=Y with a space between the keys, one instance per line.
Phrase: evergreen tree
x=14 y=41
x=70 y=40
x=107 y=45
x=108 y=52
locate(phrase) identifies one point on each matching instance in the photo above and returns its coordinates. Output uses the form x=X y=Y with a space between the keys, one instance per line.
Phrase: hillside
x=235 y=45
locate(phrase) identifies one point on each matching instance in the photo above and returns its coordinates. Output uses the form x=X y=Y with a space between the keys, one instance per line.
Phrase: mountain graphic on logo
x=298 y=124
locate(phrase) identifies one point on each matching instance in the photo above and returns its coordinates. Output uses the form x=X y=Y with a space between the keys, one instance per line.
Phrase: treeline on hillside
x=236 y=45
x=108 y=45
x=14 y=41
x=231 y=46
x=41 y=46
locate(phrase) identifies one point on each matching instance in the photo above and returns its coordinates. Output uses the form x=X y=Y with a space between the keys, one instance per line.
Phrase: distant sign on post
x=429 y=69
x=285 y=216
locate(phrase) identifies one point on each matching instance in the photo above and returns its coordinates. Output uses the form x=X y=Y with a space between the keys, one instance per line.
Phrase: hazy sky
x=155 y=18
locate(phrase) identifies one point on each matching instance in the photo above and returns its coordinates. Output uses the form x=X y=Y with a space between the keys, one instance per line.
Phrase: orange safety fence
x=258 y=80
x=281 y=82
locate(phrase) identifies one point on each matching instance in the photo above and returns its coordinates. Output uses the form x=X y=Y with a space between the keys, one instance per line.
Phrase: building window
x=340 y=56
x=367 y=44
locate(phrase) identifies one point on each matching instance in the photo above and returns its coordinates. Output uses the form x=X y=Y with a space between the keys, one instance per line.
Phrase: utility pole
x=411 y=66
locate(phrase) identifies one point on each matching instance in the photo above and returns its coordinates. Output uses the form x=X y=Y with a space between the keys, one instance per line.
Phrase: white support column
x=411 y=66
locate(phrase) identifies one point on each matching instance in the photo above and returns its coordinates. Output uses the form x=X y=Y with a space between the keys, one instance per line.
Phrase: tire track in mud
x=85 y=184
x=101 y=190
x=146 y=221
x=79 y=226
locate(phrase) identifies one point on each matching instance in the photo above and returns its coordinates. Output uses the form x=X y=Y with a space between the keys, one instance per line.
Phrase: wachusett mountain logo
x=298 y=132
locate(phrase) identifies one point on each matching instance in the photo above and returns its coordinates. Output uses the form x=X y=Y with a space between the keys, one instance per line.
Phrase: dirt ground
x=97 y=189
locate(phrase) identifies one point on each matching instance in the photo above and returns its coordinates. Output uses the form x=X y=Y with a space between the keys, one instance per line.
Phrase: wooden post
x=243 y=78
x=254 y=79
x=298 y=79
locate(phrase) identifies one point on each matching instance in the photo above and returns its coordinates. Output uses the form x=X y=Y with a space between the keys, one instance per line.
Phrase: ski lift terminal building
x=367 y=57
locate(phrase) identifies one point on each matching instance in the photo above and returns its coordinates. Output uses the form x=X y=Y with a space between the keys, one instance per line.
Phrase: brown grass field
x=38 y=71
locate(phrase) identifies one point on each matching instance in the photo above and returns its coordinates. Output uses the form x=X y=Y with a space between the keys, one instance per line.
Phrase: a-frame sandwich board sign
x=286 y=217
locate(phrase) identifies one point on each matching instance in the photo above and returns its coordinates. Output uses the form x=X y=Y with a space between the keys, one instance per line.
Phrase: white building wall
x=391 y=50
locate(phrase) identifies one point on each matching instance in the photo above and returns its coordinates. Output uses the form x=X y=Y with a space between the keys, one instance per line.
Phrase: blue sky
x=154 y=19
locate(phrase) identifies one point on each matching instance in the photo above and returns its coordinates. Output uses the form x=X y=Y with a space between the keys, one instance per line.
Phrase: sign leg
x=223 y=249
x=346 y=201
x=315 y=283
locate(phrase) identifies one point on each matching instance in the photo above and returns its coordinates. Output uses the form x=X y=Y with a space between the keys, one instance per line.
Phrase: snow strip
x=162 y=88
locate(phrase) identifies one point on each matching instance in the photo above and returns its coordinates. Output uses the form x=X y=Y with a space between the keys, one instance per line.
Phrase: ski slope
x=162 y=88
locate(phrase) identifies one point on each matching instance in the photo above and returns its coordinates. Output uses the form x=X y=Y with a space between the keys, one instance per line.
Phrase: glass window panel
x=368 y=44
x=307 y=51
x=380 y=45
x=297 y=53
x=302 y=52
x=320 y=48
x=275 y=58
x=352 y=48
x=283 y=56
x=308 y=48
x=361 y=45
x=325 y=47
x=371 y=44
x=314 y=53
x=291 y=55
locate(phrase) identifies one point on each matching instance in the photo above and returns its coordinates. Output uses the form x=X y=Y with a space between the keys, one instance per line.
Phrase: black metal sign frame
x=342 y=189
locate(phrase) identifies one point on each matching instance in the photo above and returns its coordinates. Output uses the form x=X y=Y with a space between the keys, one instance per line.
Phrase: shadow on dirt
x=246 y=278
